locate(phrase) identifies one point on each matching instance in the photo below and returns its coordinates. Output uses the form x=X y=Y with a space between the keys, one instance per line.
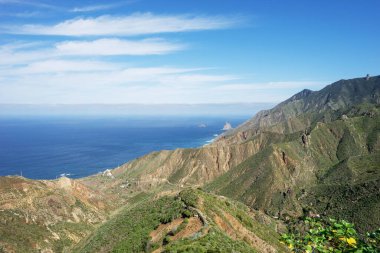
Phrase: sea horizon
x=51 y=146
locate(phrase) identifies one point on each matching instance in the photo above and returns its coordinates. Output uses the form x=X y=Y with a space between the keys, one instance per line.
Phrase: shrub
x=166 y=240
x=317 y=235
x=189 y=197
x=187 y=213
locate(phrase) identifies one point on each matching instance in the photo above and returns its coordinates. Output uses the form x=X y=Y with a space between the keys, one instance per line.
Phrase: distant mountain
x=316 y=153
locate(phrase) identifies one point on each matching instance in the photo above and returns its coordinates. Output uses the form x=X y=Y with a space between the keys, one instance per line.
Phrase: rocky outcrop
x=227 y=126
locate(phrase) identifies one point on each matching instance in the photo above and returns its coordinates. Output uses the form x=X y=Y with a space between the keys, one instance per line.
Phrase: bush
x=316 y=235
x=189 y=197
x=187 y=213
x=166 y=240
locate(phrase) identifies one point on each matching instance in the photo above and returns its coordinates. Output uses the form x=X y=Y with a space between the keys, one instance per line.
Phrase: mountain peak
x=300 y=95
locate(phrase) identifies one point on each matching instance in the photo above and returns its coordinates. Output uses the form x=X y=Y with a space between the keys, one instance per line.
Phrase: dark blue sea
x=47 y=147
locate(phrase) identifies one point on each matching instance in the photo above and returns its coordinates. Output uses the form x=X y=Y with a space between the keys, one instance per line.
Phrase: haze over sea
x=46 y=147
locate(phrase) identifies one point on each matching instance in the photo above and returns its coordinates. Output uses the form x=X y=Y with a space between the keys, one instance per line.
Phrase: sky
x=181 y=52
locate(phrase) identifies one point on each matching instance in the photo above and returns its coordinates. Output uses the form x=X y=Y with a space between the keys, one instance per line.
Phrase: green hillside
x=192 y=221
x=339 y=159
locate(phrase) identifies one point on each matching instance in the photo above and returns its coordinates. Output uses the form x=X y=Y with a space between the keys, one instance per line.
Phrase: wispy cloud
x=31 y=3
x=269 y=86
x=62 y=66
x=22 y=53
x=80 y=69
x=100 y=7
x=79 y=88
x=135 y=24
x=118 y=47
x=25 y=14
x=100 y=82
x=87 y=81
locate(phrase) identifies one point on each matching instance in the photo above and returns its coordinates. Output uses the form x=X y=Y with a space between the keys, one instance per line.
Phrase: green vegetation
x=333 y=170
x=254 y=221
x=21 y=235
x=318 y=235
x=129 y=230
x=214 y=241
x=189 y=197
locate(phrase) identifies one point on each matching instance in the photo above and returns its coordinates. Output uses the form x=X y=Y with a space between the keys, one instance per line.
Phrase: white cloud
x=81 y=82
x=31 y=3
x=22 y=53
x=25 y=14
x=99 y=7
x=118 y=47
x=269 y=86
x=135 y=24
x=60 y=66
x=93 y=8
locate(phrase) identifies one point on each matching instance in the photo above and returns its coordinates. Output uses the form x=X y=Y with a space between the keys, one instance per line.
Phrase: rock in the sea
x=227 y=126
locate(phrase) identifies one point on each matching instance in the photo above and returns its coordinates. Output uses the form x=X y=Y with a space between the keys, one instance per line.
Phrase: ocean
x=47 y=147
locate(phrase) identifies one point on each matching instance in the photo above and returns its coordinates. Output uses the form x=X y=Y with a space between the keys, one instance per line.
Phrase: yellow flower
x=342 y=238
x=334 y=231
x=290 y=246
x=351 y=241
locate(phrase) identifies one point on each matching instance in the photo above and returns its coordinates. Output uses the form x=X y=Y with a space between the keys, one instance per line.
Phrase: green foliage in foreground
x=316 y=235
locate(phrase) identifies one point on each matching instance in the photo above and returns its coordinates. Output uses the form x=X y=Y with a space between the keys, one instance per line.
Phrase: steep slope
x=339 y=159
x=193 y=221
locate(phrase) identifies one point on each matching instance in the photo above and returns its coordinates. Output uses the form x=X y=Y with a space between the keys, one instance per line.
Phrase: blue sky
x=154 y=52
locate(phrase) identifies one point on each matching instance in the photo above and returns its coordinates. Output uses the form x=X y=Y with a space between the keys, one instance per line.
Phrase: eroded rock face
x=40 y=214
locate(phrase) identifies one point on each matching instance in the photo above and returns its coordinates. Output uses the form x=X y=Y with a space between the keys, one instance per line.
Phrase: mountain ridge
x=336 y=96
